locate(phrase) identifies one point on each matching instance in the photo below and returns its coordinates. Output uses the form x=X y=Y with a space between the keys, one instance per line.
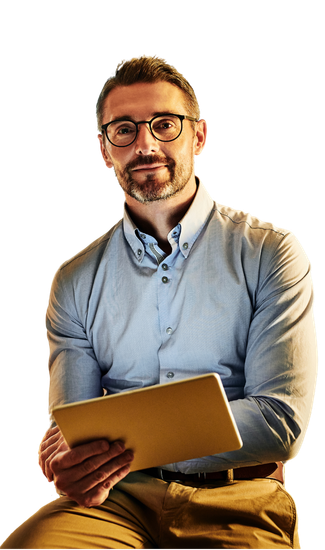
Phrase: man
x=180 y=287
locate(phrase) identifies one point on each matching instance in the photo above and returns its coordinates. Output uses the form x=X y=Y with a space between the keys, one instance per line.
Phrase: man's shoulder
x=247 y=223
x=91 y=256
x=253 y=236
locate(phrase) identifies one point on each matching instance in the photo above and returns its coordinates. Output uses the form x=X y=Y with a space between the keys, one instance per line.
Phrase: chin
x=156 y=192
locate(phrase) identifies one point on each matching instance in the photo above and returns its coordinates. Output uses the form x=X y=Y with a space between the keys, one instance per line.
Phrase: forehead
x=142 y=100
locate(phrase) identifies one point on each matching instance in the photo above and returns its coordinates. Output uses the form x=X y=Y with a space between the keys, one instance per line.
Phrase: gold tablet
x=162 y=424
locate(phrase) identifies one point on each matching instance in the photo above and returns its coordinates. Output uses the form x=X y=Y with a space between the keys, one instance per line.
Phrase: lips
x=149 y=167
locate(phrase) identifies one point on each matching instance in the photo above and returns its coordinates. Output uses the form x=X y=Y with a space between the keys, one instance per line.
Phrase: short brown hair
x=147 y=69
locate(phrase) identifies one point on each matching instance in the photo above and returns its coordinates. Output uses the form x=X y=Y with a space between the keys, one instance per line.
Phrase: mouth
x=149 y=167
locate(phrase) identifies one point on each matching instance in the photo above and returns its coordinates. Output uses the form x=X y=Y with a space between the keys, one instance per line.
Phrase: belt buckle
x=160 y=475
x=230 y=475
x=202 y=475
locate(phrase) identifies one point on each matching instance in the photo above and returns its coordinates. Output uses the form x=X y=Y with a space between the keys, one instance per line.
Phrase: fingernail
x=119 y=445
x=129 y=455
x=104 y=446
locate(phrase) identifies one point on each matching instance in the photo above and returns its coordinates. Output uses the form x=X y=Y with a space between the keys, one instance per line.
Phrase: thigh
x=64 y=524
x=241 y=514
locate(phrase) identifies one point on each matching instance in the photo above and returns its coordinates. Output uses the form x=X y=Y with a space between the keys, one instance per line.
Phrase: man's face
x=150 y=170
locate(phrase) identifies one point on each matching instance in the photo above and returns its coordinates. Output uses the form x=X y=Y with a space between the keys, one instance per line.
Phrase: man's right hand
x=87 y=472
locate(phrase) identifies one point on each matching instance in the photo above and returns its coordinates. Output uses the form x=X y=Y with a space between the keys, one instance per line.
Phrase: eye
x=124 y=128
x=164 y=124
x=121 y=132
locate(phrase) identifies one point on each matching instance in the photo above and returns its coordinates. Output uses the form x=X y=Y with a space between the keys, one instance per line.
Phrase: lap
x=242 y=514
x=144 y=512
x=64 y=524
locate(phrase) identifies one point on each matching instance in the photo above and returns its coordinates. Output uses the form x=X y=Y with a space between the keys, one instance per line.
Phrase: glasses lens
x=166 y=128
x=121 y=132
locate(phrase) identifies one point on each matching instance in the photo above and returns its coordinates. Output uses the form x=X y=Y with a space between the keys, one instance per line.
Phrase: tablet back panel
x=162 y=424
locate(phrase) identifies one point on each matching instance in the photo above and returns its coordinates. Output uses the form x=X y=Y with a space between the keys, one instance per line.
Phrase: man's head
x=153 y=158
x=150 y=70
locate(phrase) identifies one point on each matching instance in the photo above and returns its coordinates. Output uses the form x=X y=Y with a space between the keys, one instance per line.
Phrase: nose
x=145 y=142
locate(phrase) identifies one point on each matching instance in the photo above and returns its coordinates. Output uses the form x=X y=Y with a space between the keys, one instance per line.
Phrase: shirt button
x=169 y=330
x=185 y=246
x=139 y=252
x=165 y=267
x=165 y=279
x=142 y=236
x=170 y=375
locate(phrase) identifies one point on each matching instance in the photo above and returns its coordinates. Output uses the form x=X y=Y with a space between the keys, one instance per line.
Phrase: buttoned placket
x=168 y=271
x=165 y=291
x=168 y=325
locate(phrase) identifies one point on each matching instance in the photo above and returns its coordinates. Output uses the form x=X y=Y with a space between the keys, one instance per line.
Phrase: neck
x=158 y=218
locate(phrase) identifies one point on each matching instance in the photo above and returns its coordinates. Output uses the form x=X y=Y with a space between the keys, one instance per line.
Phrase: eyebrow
x=130 y=117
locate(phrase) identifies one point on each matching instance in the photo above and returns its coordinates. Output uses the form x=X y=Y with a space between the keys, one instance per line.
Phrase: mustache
x=150 y=159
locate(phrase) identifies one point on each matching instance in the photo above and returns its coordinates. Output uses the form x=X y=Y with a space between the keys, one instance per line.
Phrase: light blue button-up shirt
x=233 y=297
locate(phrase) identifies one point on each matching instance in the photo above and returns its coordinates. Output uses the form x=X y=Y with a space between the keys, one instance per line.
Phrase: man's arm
x=280 y=366
x=75 y=374
x=87 y=472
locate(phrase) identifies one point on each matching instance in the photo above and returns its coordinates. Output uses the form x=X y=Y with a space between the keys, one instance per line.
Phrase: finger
x=108 y=485
x=88 y=466
x=100 y=492
x=117 y=476
x=97 y=468
x=51 y=444
x=50 y=432
x=78 y=454
x=53 y=429
x=47 y=450
x=49 y=439
x=94 y=462
x=61 y=446
x=101 y=475
x=48 y=447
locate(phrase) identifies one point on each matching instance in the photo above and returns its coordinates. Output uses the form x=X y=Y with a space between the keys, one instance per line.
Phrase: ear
x=200 y=136
x=105 y=154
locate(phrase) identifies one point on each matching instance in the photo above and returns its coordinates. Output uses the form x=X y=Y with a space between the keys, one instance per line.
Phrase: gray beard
x=151 y=190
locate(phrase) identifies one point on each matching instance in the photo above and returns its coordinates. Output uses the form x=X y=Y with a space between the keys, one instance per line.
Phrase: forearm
x=269 y=434
x=74 y=377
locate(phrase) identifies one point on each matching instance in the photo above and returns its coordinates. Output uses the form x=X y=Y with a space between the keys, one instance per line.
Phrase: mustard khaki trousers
x=145 y=512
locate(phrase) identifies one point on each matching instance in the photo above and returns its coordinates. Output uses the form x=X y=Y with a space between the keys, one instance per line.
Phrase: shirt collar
x=130 y=232
x=190 y=225
x=194 y=219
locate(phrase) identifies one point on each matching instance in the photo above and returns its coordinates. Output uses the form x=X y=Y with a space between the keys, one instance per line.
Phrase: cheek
x=185 y=153
x=119 y=160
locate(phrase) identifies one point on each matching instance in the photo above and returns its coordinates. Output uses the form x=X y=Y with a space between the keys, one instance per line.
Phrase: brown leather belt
x=273 y=470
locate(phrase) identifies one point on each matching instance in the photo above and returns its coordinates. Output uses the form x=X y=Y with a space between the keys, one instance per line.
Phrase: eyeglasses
x=122 y=133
